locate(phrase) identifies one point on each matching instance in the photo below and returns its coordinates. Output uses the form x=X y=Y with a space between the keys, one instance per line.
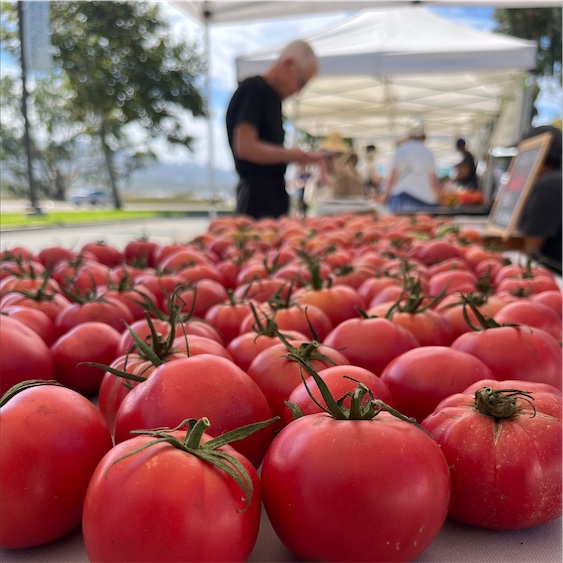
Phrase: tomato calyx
x=208 y=451
x=27 y=384
x=472 y=301
x=412 y=298
x=359 y=408
x=502 y=404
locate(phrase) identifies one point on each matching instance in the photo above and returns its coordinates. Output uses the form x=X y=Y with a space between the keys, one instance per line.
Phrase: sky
x=229 y=41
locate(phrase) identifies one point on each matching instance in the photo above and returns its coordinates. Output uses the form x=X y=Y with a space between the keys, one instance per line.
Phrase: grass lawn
x=20 y=220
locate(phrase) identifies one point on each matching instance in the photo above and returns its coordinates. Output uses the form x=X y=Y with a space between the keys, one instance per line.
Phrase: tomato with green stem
x=357 y=483
x=174 y=496
x=502 y=440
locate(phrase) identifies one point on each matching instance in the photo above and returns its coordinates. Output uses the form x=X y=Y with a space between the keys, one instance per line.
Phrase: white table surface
x=456 y=543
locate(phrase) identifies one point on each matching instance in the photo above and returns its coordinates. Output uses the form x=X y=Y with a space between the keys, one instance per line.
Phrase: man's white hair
x=301 y=53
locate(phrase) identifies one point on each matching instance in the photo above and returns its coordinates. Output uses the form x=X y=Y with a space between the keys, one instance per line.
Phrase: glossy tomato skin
x=371 y=343
x=86 y=342
x=23 y=355
x=194 y=387
x=506 y=474
x=515 y=352
x=390 y=506
x=168 y=505
x=422 y=377
x=52 y=440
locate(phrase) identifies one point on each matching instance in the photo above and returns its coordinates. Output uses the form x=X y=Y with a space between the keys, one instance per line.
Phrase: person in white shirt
x=412 y=184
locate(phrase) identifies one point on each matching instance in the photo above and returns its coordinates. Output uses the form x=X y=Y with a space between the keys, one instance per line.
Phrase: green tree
x=130 y=80
x=542 y=25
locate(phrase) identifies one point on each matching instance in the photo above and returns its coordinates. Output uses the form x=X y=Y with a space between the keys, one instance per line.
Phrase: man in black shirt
x=541 y=218
x=256 y=134
x=465 y=171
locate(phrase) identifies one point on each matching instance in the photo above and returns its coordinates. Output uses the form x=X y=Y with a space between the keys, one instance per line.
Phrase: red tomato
x=339 y=302
x=49 y=303
x=277 y=376
x=531 y=313
x=435 y=251
x=105 y=253
x=515 y=352
x=108 y=310
x=52 y=440
x=141 y=252
x=420 y=378
x=427 y=326
x=294 y=318
x=370 y=343
x=87 y=342
x=452 y=306
x=339 y=380
x=227 y=317
x=504 y=453
x=386 y=479
x=23 y=355
x=550 y=298
x=244 y=348
x=211 y=520
x=200 y=297
x=35 y=319
x=452 y=281
x=202 y=385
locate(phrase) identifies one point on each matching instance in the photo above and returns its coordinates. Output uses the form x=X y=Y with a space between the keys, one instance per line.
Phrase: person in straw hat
x=412 y=183
x=337 y=176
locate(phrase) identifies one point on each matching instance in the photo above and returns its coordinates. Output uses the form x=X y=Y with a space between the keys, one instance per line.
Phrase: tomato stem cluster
x=208 y=451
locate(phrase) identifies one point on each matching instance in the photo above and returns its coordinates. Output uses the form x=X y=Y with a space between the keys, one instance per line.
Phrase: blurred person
x=465 y=172
x=540 y=222
x=336 y=176
x=412 y=183
x=256 y=134
x=368 y=170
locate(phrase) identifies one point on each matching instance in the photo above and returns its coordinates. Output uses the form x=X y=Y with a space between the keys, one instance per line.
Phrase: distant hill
x=166 y=180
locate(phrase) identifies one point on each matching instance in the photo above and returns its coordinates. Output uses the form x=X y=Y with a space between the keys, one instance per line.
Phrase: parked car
x=92 y=197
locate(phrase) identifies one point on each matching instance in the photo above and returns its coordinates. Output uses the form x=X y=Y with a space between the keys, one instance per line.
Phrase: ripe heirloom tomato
x=202 y=385
x=515 y=352
x=504 y=453
x=52 y=440
x=370 y=343
x=86 y=342
x=184 y=508
x=420 y=378
x=23 y=354
x=355 y=490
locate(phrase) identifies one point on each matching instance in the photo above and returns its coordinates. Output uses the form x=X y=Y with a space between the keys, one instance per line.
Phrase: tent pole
x=210 y=136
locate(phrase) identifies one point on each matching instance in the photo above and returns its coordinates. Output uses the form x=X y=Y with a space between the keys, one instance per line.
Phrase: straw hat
x=335 y=143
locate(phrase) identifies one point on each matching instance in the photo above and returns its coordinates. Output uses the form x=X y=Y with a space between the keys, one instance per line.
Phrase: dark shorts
x=262 y=196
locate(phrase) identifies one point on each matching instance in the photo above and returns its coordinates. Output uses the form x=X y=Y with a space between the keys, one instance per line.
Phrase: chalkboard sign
x=522 y=174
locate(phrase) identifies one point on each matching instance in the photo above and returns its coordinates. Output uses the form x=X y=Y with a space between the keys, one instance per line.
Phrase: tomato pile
x=361 y=378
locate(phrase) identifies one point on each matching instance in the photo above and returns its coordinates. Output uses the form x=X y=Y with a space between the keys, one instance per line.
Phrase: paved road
x=162 y=231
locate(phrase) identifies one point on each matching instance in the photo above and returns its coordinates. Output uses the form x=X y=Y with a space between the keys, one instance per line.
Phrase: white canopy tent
x=381 y=68
x=231 y=11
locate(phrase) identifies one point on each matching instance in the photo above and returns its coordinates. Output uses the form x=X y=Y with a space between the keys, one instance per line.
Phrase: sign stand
x=522 y=174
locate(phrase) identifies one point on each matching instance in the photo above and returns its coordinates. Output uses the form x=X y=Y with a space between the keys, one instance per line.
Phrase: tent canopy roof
x=404 y=41
x=231 y=11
